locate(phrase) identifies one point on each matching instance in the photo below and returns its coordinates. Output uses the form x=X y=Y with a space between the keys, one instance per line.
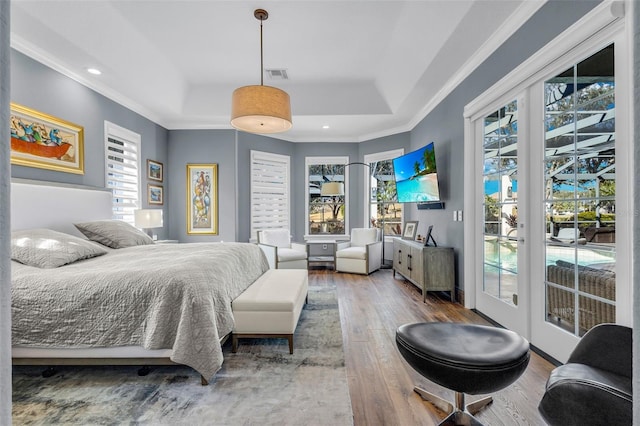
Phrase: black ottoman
x=465 y=358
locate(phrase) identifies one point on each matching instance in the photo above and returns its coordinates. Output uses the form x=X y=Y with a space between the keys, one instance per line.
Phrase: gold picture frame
x=155 y=194
x=202 y=199
x=46 y=142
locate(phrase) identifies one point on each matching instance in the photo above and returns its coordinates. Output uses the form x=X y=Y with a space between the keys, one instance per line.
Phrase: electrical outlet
x=324 y=247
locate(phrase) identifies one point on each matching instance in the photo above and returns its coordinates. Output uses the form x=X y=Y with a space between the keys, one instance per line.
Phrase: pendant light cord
x=261 y=57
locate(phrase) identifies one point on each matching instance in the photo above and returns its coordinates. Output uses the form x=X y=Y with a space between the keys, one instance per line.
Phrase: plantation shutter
x=270 y=182
x=122 y=154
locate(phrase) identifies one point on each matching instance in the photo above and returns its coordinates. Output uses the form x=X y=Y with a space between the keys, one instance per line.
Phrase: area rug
x=262 y=384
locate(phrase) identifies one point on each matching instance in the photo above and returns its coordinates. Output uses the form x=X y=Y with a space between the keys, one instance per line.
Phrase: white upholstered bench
x=271 y=306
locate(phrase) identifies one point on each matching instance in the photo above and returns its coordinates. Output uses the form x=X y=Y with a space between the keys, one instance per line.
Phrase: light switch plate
x=460 y=215
x=455 y=215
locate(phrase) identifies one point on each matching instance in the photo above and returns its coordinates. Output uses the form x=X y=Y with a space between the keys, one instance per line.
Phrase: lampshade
x=260 y=109
x=148 y=218
x=332 y=189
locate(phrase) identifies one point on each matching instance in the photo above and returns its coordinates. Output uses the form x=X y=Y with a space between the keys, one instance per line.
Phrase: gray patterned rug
x=262 y=384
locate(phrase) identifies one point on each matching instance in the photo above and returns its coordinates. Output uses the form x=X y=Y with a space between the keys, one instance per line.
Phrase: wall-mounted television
x=417 y=176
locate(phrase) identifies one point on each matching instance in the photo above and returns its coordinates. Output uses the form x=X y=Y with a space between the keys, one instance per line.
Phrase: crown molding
x=39 y=55
x=524 y=12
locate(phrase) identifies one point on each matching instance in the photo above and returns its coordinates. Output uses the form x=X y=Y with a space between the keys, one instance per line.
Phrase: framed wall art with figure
x=202 y=199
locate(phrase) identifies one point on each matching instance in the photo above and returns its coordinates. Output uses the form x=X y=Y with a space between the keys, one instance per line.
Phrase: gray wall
x=5 y=220
x=298 y=153
x=202 y=147
x=445 y=125
x=40 y=88
x=246 y=143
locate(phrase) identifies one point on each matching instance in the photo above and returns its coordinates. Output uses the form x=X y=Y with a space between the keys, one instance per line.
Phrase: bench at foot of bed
x=271 y=306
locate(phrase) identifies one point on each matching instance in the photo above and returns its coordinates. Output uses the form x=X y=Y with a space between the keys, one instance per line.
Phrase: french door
x=549 y=239
x=502 y=289
x=580 y=266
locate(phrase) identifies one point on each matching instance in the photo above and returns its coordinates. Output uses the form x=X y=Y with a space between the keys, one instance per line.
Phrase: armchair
x=280 y=251
x=362 y=254
x=594 y=386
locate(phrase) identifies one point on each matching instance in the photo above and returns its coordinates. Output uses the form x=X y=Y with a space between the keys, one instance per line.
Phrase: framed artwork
x=202 y=199
x=46 y=142
x=410 y=229
x=154 y=170
x=155 y=194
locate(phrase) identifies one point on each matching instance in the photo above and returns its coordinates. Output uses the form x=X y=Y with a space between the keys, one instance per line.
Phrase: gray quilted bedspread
x=164 y=296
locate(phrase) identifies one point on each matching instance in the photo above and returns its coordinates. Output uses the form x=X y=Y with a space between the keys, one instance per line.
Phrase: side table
x=322 y=251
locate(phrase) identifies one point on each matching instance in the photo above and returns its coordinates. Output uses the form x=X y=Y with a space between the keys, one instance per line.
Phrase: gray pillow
x=114 y=233
x=44 y=248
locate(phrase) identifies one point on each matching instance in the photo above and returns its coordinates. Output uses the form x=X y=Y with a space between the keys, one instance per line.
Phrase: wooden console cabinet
x=429 y=268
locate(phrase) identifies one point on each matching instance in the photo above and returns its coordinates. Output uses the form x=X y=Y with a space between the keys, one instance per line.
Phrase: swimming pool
x=504 y=255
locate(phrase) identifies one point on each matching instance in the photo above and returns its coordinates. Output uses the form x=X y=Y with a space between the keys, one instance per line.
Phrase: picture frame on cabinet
x=410 y=230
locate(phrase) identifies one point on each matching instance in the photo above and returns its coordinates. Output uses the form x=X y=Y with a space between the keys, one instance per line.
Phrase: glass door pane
x=500 y=176
x=579 y=170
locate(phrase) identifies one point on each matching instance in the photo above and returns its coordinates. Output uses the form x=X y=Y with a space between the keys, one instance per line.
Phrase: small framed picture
x=154 y=170
x=410 y=229
x=155 y=195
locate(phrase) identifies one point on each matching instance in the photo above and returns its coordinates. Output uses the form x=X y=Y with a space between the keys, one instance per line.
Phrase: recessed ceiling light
x=94 y=71
x=326 y=126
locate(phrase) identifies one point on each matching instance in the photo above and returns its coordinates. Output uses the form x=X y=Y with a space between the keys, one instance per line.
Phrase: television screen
x=416 y=176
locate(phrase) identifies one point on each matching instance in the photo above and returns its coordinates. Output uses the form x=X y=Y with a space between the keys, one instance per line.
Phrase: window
x=122 y=169
x=326 y=215
x=270 y=189
x=384 y=209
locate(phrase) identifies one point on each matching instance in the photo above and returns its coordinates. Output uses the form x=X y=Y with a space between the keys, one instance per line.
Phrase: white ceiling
x=364 y=68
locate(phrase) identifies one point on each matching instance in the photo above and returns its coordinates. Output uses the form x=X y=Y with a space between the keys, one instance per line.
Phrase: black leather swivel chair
x=594 y=386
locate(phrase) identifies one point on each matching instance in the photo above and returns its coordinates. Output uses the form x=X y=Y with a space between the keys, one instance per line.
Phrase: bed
x=142 y=305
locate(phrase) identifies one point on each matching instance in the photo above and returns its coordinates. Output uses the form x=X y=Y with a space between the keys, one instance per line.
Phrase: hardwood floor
x=381 y=382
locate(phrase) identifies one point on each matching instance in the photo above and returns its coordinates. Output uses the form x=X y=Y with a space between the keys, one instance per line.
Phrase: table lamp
x=148 y=219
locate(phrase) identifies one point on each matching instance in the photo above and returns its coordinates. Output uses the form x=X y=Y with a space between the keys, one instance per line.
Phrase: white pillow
x=360 y=237
x=114 y=233
x=45 y=248
x=276 y=237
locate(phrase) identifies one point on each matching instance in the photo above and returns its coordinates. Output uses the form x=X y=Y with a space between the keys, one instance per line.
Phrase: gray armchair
x=594 y=386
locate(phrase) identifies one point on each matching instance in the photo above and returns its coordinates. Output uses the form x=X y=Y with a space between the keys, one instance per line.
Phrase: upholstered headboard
x=37 y=204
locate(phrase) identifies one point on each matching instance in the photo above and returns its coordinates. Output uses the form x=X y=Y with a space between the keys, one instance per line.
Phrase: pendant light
x=261 y=109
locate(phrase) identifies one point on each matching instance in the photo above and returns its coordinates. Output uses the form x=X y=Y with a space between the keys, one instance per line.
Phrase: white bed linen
x=165 y=296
